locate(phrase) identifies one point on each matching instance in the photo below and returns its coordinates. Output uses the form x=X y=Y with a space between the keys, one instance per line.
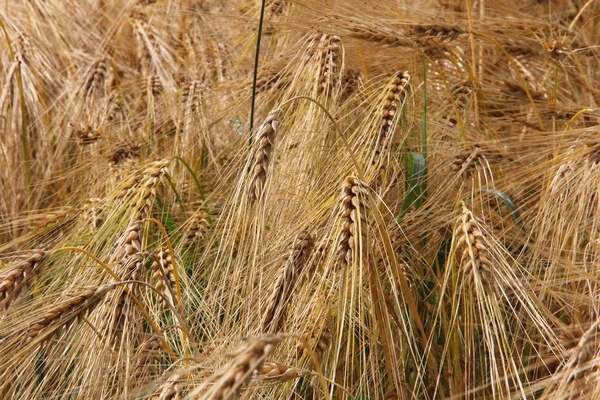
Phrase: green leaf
x=508 y=203
x=416 y=184
x=167 y=219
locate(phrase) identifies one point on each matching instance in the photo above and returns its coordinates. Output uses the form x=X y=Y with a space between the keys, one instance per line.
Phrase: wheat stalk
x=93 y=210
x=95 y=78
x=151 y=178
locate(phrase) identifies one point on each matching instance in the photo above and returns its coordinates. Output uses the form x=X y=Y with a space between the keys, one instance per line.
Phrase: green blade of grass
x=416 y=185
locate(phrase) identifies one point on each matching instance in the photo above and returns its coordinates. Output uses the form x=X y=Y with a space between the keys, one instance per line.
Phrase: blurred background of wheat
x=415 y=213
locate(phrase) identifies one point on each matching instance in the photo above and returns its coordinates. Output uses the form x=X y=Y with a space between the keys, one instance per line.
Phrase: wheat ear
x=13 y=279
x=228 y=381
x=261 y=155
x=283 y=287
x=352 y=211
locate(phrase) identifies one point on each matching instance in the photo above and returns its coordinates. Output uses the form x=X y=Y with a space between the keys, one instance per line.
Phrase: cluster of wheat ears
x=299 y=199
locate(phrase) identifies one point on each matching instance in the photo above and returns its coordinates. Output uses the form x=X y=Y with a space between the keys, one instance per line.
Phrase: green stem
x=424 y=110
x=176 y=193
x=191 y=171
x=259 y=35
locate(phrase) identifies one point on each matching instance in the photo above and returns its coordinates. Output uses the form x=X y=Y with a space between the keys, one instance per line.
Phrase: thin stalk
x=177 y=196
x=258 y=37
x=473 y=62
x=191 y=171
x=138 y=304
x=424 y=133
x=337 y=129
x=24 y=132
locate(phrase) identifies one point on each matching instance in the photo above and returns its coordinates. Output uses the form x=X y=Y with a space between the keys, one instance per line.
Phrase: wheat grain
x=117 y=308
x=95 y=78
x=152 y=176
x=93 y=210
x=580 y=363
x=124 y=151
x=280 y=372
x=470 y=161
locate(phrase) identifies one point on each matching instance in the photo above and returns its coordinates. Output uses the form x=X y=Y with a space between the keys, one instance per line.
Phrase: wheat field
x=299 y=199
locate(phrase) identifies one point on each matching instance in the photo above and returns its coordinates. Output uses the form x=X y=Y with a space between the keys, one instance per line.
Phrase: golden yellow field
x=299 y=199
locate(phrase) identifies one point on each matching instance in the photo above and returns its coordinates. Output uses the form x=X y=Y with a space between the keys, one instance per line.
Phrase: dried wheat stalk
x=283 y=287
x=129 y=243
x=154 y=86
x=228 y=381
x=514 y=86
x=55 y=217
x=429 y=38
x=317 y=332
x=23 y=46
x=473 y=254
x=272 y=79
x=352 y=203
x=192 y=97
x=261 y=155
x=13 y=279
x=350 y=82
x=86 y=134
